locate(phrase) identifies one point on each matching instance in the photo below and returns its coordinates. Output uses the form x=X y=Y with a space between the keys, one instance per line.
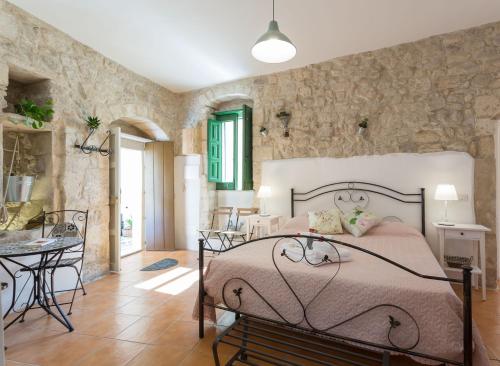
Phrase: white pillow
x=358 y=221
x=325 y=222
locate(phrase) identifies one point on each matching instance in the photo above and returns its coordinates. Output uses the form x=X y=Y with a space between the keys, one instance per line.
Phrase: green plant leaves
x=34 y=123
x=93 y=122
x=35 y=115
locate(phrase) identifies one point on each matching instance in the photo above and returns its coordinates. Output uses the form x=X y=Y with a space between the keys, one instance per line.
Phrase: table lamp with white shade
x=264 y=192
x=445 y=192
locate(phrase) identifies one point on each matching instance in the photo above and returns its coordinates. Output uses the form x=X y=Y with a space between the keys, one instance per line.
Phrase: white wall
x=187 y=201
x=241 y=199
x=403 y=172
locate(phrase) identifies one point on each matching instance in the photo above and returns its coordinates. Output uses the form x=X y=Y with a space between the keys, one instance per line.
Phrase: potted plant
x=93 y=122
x=36 y=115
x=363 y=125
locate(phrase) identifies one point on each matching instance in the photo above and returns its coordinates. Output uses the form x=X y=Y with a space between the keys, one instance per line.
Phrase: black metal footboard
x=297 y=342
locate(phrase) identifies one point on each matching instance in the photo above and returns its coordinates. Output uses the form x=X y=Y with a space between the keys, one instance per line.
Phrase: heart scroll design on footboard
x=388 y=320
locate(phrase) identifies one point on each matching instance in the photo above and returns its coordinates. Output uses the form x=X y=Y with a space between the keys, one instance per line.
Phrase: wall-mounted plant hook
x=88 y=149
x=105 y=152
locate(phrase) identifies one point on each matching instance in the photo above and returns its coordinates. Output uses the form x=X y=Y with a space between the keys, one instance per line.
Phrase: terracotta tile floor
x=144 y=318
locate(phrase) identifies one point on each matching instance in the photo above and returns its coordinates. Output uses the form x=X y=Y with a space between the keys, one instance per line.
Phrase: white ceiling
x=189 y=44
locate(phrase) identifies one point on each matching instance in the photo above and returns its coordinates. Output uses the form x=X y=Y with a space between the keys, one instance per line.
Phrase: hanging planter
x=93 y=123
x=18 y=187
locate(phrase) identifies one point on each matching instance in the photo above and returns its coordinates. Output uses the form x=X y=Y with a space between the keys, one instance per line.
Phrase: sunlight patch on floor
x=163 y=278
x=179 y=285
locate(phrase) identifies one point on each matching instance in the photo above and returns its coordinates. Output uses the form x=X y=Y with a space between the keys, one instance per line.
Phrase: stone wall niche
x=23 y=84
x=34 y=159
x=35 y=152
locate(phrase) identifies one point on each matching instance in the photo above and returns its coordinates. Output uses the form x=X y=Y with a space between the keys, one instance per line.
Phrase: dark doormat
x=163 y=264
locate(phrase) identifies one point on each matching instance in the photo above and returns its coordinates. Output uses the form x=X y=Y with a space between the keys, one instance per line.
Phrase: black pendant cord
x=273 y=9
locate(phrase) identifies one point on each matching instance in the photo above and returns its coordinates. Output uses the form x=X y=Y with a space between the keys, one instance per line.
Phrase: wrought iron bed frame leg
x=215 y=353
x=201 y=291
x=467 y=294
x=243 y=354
x=386 y=358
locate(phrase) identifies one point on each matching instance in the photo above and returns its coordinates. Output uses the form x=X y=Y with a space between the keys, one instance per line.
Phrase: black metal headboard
x=358 y=193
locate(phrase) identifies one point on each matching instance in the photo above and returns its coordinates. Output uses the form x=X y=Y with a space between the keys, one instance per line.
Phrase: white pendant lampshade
x=273 y=46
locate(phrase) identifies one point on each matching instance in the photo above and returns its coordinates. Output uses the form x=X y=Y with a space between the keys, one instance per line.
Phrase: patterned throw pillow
x=325 y=222
x=358 y=221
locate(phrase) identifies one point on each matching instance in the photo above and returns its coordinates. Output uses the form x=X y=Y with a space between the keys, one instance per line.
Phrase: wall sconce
x=285 y=119
x=362 y=126
x=263 y=131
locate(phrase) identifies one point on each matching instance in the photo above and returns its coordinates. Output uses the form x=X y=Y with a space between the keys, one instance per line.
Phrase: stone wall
x=436 y=94
x=440 y=93
x=82 y=81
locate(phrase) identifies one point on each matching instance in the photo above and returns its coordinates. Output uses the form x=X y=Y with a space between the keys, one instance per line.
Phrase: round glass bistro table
x=42 y=295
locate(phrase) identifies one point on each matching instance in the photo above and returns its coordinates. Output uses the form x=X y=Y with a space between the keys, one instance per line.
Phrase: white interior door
x=114 y=200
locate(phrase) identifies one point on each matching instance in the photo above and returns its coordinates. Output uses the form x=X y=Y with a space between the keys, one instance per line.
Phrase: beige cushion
x=325 y=222
x=358 y=221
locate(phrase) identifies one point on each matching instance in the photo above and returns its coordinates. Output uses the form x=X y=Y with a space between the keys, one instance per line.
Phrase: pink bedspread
x=359 y=285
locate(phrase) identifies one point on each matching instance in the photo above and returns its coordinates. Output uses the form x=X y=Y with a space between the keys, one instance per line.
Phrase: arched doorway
x=140 y=178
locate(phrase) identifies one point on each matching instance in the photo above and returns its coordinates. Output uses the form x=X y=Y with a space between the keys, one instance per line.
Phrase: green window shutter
x=224 y=118
x=247 y=149
x=214 y=145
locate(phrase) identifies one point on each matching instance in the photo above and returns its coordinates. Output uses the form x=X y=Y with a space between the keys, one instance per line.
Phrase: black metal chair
x=221 y=221
x=67 y=223
x=237 y=233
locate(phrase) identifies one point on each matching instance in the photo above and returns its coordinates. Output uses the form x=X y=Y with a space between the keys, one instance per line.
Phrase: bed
x=392 y=297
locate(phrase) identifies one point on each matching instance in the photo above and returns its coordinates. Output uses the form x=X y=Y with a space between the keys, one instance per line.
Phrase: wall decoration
x=363 y=125
x=285 y=120
x=93 y=123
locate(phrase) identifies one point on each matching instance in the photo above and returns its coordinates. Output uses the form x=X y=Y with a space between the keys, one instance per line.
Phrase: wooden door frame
x=127 y=136
x=114 y=198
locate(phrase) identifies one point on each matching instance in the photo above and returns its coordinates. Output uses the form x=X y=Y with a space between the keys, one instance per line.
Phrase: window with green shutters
x=214 y=151
x=230 y=149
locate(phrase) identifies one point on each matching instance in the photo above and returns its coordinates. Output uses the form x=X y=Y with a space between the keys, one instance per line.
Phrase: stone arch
x=134 y=116
x=205 y=104
x=229 y=97
x=198 y=113
x=142 y=127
